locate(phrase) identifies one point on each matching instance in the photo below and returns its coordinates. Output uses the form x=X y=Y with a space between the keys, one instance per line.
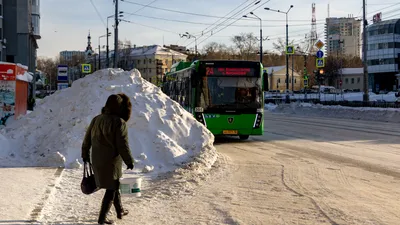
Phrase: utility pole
x=365 y=49
x=116 y=35
x=107 y=50
x=293 y=74
x=99 y=55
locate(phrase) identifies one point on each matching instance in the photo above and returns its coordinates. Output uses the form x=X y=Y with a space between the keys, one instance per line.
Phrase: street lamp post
x=100 y=48
x=191 y=36
x=287 y=43
x=261 y=37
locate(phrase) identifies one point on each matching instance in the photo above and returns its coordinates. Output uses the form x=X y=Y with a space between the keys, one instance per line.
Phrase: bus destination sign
x=224 y=71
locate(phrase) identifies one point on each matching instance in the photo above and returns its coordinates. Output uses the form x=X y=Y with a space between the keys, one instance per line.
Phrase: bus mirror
x=265 y=84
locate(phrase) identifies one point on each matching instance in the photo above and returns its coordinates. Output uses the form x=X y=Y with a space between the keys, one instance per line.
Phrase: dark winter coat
x=107 y=135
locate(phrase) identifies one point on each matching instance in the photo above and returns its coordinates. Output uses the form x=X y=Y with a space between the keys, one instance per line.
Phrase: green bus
x=224 y=95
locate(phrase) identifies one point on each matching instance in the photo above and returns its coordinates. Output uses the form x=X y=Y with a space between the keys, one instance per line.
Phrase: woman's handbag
x=88 y=184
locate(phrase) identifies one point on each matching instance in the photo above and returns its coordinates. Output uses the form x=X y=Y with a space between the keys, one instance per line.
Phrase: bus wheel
x=244 y=137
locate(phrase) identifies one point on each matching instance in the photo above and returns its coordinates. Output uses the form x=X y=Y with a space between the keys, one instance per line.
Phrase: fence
x=378 y=101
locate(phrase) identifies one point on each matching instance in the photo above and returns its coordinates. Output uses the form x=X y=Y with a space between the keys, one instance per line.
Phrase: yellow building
x=277 y=79
x=154 y=61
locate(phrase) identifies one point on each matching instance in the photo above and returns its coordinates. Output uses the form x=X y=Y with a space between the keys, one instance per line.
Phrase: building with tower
x=89 y=50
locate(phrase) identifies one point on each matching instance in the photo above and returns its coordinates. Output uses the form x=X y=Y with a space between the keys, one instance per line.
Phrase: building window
x=358 y=80
x=149 y=69
x=1 y=9
x=149 y=61
x=279 y=80
x=352 y=80
x=138 y=62
x=346 y=81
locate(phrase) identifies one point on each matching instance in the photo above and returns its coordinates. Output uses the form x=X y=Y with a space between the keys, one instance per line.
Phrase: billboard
x=377 y=18
x=7 y=100
x=62 y=73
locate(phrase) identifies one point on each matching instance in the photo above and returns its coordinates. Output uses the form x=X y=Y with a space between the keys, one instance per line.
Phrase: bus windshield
x=230 y=92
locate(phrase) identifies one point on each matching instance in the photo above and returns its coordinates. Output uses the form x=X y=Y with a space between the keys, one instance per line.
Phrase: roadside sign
x=320 y=54
x=319 y=44
x=86 y=68
x=62 y=73
x=289 y=50
x=320 y=62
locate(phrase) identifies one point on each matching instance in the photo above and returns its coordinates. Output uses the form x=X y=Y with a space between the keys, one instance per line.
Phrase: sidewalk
x=24 y=191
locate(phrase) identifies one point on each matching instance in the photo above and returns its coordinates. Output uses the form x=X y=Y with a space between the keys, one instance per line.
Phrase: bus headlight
x=257 y=121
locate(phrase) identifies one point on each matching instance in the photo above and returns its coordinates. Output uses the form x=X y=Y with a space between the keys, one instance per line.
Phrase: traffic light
x=319 y=75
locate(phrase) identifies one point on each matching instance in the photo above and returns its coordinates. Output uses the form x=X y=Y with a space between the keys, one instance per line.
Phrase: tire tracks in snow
x=51 y=188
x=316 y=205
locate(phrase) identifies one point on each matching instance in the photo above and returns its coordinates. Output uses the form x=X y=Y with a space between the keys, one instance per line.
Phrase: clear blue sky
x=65 y=24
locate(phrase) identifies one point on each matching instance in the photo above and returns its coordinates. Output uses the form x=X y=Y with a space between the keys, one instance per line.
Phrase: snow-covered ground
x=172 y=150
x=318 y=110
x=357 y=96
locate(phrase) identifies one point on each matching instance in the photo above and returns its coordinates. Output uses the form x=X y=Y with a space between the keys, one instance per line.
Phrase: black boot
x=105 y=207
x=118 y=206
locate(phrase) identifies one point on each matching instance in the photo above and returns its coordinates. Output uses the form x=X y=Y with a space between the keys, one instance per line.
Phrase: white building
x=343 y=36
x=383 y=55
x=69 y=55
x=152 y=61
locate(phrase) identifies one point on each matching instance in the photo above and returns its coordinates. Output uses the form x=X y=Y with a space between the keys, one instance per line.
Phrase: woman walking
x=107 y=136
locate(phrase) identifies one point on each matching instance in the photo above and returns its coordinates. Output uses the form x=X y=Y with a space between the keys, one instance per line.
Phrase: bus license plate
x=230 y=132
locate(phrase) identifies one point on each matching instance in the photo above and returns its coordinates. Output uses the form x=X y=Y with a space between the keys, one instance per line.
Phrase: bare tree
x=215 y=50
x=125 y=49
x=49 y=67
x=246 y=45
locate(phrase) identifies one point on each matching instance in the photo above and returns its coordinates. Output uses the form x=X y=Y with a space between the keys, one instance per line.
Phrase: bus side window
x=187 y=92
x=173 y=90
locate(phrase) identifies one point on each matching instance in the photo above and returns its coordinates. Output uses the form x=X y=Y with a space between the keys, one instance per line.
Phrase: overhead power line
x=143 y=6
x=233 y=21
x=98 y=13
x=201 y=23
x=233 y=10
x=383 y=8
x=144 y=25
x=195 y=14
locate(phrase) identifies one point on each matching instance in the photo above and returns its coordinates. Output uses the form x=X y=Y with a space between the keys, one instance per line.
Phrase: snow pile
x=359 y=113
x=26 y=77
x=270 y=107
x=5 y=148
x=162 y=135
